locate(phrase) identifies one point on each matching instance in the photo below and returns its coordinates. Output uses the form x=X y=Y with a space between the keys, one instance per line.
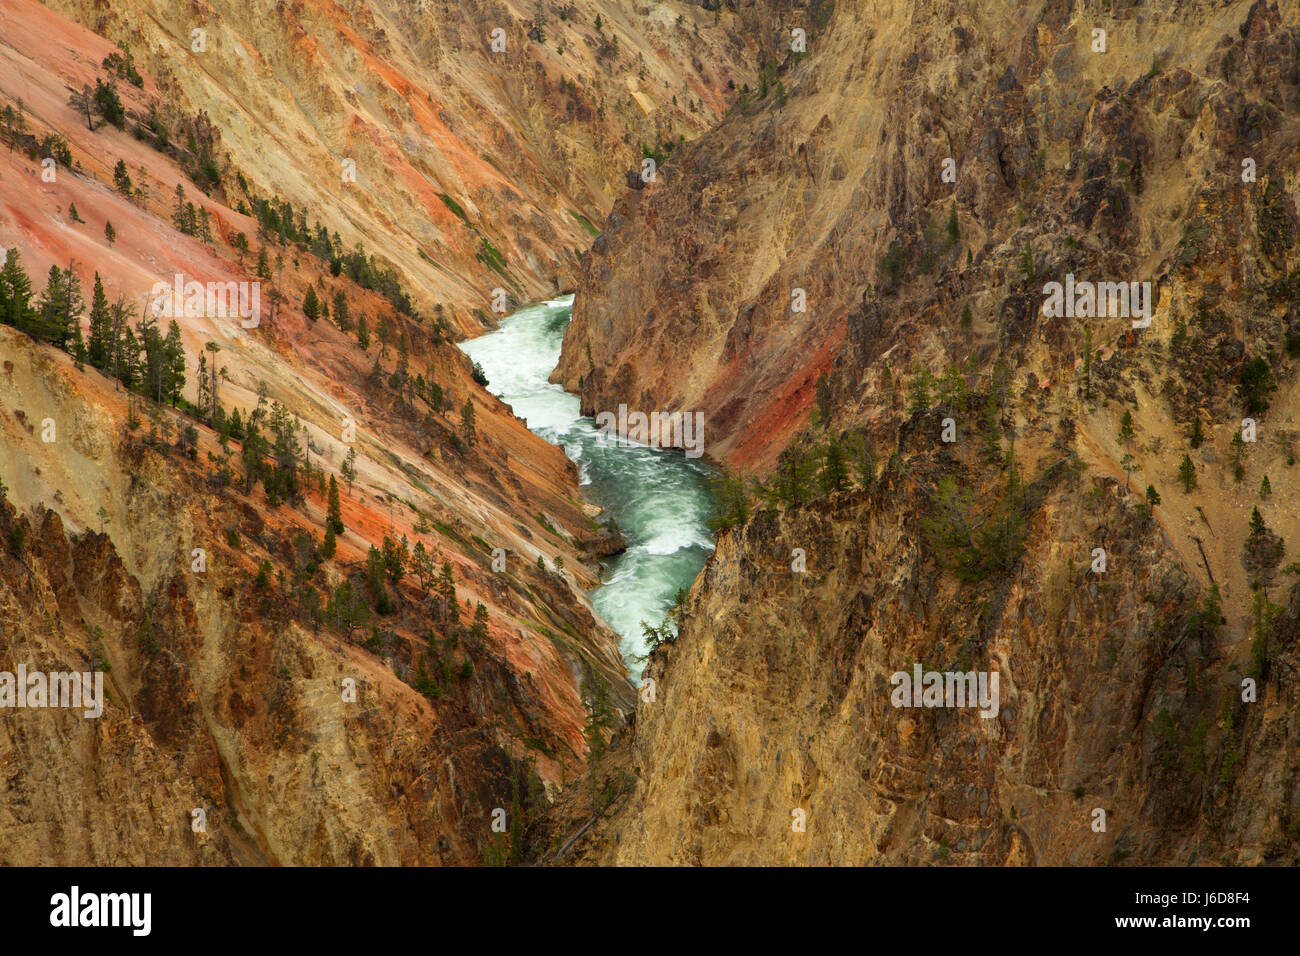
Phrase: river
x=661 y=499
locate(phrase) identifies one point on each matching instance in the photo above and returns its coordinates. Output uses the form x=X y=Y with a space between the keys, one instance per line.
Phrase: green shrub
x=1256 y=385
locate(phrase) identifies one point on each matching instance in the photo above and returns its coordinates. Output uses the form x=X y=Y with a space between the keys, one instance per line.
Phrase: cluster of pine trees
x=151 y=361
x=122 y=64
x=13 y=130
x=433 y=669
x=142 y=358
x=190 y=219
x=102 y=101
x=277 y=218
x=271 y=450
x=805 y=471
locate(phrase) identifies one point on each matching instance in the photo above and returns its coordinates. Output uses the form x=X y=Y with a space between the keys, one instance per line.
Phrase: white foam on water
x=659 y=498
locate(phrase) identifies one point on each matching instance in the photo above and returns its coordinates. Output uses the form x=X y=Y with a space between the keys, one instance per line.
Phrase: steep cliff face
x=1118 y=694
x=472 y=167
x=226 y=682
x=997 y=445
x=184 y=554
x=1120 y=164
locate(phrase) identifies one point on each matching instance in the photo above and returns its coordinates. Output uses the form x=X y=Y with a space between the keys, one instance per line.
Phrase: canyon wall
x=323 y=696
x=472 y=168
x=948 y=459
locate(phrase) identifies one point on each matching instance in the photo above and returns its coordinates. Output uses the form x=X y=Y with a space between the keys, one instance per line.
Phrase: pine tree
x=1198 y=435
x=467 y=422
x=110 y=234
x=790 y=484
x=953 y=391
x=1153 y=496
x=1007 y=544
x=330 y=546
x=1126 y=426
x=178 y=212
x=1257 y=526
x=213 y=398
x=205 y=389
x=173 y=364
x=349 y=468
x=375 y=569
x=15 y=294
x=108 y=104
x=347 y=609
x=311 y=304
x=823 y=398
x=341 y=316
x=447 y=591
x=335 y=519
x=1238 y=444
x=153 y=369
x=396 y=558
x=835 y=471
x=1265 y=488
x=363 y=334
x=83 y=101
x=122 y=180
x=127 y=349
x=286 y=452
x=422 y=564
x=1028 y=267
x=732 y=496
x=263 y=265
x=60 y=309
x=862 y=456
x=921 y=385
x=99 y=348
x=1187 y=474
x=600 y=715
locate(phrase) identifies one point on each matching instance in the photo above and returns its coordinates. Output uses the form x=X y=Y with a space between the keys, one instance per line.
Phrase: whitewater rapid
x=660 y=499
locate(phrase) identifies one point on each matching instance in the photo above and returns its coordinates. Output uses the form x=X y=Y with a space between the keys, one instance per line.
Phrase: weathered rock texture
x=1122 y=690
x=523 y=142
x=226 y=683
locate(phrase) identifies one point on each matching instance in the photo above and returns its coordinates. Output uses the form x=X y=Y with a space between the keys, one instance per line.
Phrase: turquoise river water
x=661 y=499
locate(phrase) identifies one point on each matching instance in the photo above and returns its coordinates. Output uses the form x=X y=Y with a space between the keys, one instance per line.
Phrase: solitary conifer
x=311 y=304
x=335 y=519
x=467 y=422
